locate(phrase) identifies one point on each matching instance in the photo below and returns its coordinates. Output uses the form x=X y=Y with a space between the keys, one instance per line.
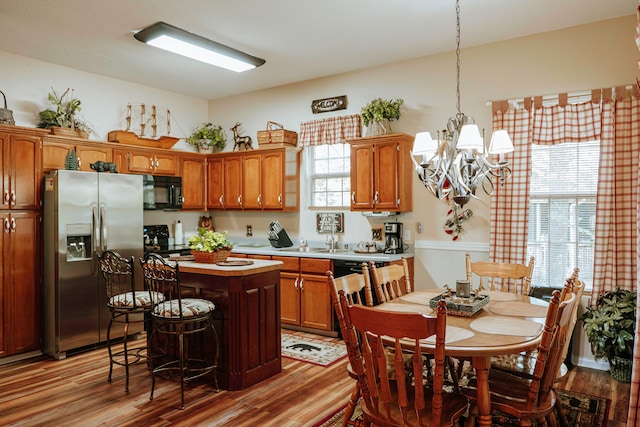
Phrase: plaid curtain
x=334 y=130
x=615 y=252
x=510 y=202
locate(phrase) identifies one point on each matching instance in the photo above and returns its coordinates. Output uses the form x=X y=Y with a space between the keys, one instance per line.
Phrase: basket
x=211 y=257
x=620 y=369
x=276 y=136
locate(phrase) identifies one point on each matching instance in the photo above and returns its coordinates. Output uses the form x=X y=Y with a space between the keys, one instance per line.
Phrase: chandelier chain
x=458 y=56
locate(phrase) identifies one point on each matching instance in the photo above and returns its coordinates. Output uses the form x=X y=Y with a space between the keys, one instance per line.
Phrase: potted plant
x=210 y=246
x=377 y=114
x=63 y=118
x=610 y=329
x=208 y=137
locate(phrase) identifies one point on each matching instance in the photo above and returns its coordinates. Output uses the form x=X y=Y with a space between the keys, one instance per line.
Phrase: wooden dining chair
x=392 y=400
x=499 y=276
x=391 y=281
x=353 y=287
x=532 y=400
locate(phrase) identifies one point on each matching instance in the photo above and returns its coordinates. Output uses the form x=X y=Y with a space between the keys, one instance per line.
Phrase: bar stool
x=126 y=304
x=178 y=317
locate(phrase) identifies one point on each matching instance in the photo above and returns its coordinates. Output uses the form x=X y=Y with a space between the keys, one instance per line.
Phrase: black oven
x=162 y=192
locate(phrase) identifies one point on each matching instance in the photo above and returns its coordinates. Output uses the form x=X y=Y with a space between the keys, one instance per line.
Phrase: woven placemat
x=406 y=308
x=500 y=325
x=453 y=334
x=518 y=308
x=421 y=297
x=499 y=296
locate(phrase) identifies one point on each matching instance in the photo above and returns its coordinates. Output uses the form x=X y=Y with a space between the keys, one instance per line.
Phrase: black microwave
x=162 y=192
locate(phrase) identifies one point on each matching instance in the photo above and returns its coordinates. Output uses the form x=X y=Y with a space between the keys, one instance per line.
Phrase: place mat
x=499 y=296
x=421 y=297
x=518 y=308
x=500 y=325
x=181 y=258
x=405 y=308
x=234 y=263
x=454 y=334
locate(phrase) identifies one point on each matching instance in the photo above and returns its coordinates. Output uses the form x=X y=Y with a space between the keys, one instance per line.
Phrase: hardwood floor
x=75 y=391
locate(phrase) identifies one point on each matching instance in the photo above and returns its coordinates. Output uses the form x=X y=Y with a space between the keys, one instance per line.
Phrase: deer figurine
x=244 y=140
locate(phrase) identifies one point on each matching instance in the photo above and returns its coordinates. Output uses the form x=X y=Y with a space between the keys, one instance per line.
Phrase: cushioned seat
x=178 y=317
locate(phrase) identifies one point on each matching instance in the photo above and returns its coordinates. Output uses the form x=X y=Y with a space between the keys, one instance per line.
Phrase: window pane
x=329 y=180
x=562 y=211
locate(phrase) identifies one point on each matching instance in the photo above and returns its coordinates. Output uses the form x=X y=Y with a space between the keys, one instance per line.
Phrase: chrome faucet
x=331 y=240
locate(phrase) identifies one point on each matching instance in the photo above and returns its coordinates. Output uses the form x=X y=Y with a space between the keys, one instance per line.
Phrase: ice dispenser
x=79 y=242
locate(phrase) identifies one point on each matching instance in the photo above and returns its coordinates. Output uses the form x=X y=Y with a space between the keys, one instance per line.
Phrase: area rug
x=312 y=350
x=582 y=411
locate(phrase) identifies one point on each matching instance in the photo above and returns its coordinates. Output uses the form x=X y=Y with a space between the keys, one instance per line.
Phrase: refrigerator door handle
x=96 y=229
x=103 y=229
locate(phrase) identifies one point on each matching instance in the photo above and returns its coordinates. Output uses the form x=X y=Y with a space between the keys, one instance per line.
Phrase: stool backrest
x=119 y=279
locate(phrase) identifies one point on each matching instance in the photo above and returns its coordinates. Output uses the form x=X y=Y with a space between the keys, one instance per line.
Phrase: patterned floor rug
x=582 y=411
x=312 y=350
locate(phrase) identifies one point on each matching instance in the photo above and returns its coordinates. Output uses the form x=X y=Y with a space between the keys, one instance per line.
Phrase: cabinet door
x=289 y=298
x=193 y=182
x=87 y=155
x=20 y=284
x=165 y=164
x=22 y=171
x=386 y=176
x=233 y=182
x=315 y=302
x=140 y=162
x=252 y=182
x=215 y=183
x=54 y=155
x=362 y=191
x=272 y=180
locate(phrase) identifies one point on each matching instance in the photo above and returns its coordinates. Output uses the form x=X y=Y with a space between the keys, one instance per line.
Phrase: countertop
x=257 y=247
x=257 y=266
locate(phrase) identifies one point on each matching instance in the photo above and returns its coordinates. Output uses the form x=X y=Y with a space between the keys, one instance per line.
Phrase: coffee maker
x=393 y=237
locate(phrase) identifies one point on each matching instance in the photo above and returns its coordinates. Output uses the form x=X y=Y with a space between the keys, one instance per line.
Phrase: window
x=562 y=211
x=328 y=173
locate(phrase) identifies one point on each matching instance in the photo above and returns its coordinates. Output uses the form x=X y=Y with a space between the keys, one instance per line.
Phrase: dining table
x=507 y=324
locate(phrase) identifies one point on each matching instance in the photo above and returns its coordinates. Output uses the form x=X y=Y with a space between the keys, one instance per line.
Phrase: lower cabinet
x=20 y=296
x=305 y=298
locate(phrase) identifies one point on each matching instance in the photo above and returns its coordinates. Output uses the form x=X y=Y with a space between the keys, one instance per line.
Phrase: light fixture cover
x=423 y=144
x=500 y=142
x=176 y=40
x=470 y=138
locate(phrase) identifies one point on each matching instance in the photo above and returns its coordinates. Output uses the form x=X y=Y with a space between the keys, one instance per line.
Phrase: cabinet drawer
x=315 y=265
x=289 y=263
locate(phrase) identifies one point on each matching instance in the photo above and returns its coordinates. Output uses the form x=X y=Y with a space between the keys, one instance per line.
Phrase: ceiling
x=299 y=39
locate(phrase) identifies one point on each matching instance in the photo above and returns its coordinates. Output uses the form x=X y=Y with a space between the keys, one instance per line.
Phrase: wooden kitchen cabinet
x=265 y=179
x=381 y=173
x=20 y=283
x=55 y=150
x=21 y=165
x=305 y=299
x=148 y=162
x=193 y=170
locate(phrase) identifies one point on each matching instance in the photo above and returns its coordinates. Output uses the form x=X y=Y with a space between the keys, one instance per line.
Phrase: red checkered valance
x=334 y=130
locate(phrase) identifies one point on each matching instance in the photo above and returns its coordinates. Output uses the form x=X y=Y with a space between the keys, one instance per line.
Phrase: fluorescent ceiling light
x=184 y=43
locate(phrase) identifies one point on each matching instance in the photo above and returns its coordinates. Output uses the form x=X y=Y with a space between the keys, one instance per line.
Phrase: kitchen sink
x=251 y=245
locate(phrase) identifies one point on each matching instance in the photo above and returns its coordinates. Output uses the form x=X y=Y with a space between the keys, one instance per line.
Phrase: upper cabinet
x=149 y=162
x=56 y=149
x=193 y=170
x=21 y=165
x=264 y=179
x=381 y=173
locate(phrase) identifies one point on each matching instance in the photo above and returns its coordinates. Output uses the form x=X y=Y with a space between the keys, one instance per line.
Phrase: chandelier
x=455 y=164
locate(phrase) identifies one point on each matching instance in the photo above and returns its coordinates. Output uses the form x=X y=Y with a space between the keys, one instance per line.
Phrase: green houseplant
x=207 y=137
x=610 y=329
x=377 y=114
x=210 y=246
x=63 y=115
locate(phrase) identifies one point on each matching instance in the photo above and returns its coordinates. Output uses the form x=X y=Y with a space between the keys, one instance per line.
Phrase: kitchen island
x=247 y=318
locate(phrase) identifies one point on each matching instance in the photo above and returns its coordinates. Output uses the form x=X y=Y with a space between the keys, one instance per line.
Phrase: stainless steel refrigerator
x=85 y=213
